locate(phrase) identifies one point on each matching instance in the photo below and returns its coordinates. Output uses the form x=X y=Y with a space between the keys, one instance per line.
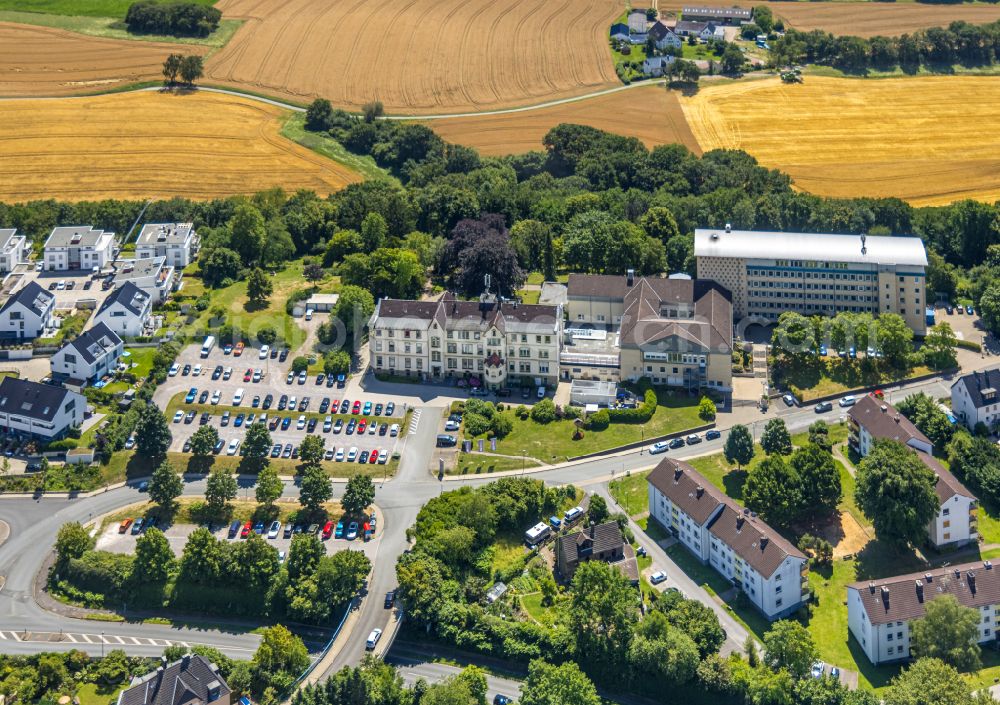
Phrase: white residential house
x=664 y=37
x=880 y=613
x=489 y=342
x=88 y=358
x=762 y=564
x=975 y=398
x=27 y=313
x=32 y=409
x=699 y=30
x=78 y=247
x=872 y=419
x=153 y=275
x=177 y=243
x=12 y=248
x=126 y=311
x=657 y=66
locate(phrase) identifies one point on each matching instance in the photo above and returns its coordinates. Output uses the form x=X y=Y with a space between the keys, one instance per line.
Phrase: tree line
x=178 y=19
x=933 y=48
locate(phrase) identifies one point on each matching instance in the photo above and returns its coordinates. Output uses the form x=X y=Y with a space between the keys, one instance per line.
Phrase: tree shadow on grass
x=733 y=482
x=879 y=559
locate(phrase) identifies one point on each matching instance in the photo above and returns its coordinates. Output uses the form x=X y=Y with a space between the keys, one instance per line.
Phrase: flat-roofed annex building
x=769 y=273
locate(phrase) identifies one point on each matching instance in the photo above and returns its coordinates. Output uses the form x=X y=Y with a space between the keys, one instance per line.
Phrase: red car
x=125 y=525
x=247 y=528
x=247 y=375
x=238 y=350
x=362 y=425
x=327 y=529
x=357 y=408
x=373 y=458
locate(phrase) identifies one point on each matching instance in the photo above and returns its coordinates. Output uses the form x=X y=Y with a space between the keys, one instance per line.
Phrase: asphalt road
x=34 y=524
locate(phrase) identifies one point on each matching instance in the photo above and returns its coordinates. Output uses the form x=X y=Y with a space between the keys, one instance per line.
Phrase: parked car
x=268 y=400
x=693 y=439
x=373 y=638
x=390 y=598
x=352 y=531
x=327 y=529
x=276 y=450
x=191 y=395
x=969 y=310
x=788 y=399
x=233 y=446
x=390 y=408
x=264 y=349
x=234 y=529
x=245 y=531
x=174 y=369
x=849 y=400
x=823 y=407
x=274 y=530
x=712 y=435
x=178 y=416
x=125 y=525
x=676 y=443
x=219 y=445
x=445 y=440
x=657 y=577
x=352 y=454
x=454 y=426
x=660 y=447
x=137 y=526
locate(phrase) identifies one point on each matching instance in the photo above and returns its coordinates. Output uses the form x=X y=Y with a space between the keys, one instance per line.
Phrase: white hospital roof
x=750 y=244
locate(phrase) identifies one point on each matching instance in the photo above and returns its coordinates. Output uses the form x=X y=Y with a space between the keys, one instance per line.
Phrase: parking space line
x=116 y=638
x=71 y=638
x=3 y=636
x=86 y=638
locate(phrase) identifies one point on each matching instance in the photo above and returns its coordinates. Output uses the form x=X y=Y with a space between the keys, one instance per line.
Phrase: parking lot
x=293 y=424
x=111 y=540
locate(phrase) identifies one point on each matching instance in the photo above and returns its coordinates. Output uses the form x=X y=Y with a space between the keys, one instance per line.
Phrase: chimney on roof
x=185 y=660
x=871 y=586
x=763 y=542
x=163 y=661
x=885 y=409
x=699 y=491
x=677 y=473
x=629 y=277
x=885 y=596
x=214 y=690
x=971 y=577
x=897 y=418
x=987 y=565
x=958 y=573
x=729 y=227
x=928 y=577
x=920 y=591
x=739 y=522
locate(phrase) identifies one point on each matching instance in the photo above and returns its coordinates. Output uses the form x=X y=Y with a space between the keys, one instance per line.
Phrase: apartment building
x=32 y=409
x=12 y=248
x=176 y=243
x=78 y=247
x=974 y=398
x=126 y=311
x=27 y=313
x=153 y=275
x=674 y=331
x=769 y=273
x=92 y=355
x=490 y=342
x=762 y=564
x=872 y=419
x=880 y=613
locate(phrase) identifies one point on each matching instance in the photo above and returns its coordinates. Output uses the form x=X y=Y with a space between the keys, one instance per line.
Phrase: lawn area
x=191 y=510
x=110 y=27
x=532 y=604
x=529 y=296
x=508 y=552
x=553 y=442
x=475 y=464
x=698 y=51
x=233 y=300
x=820 y=377
x=631 y=493
x=93 y=694
x=141 y=360
x=91 y=8
x=295 y=130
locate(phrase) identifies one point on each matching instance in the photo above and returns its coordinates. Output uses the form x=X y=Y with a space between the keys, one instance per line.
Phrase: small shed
x=587 y=391
x=322 y=302
x=495 y=593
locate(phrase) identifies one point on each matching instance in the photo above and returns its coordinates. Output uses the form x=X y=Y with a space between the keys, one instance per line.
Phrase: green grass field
x=90 y=8
x=295 y=130
x=553 y=442
x=832 y=375
x=474 y=464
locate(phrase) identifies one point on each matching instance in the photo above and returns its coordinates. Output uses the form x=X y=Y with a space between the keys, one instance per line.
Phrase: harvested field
x=853 y=137
x=867 y=19
x=37 y=61
x=650 y=113
x=419 y=56
x=152 y=144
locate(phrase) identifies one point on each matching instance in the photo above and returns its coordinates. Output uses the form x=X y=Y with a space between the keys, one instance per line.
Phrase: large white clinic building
x=769 y=273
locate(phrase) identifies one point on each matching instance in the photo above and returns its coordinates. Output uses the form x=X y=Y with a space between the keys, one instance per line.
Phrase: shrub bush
x=640 y=414
x=475 y=424
x=599 y=421
x=178 y=19
x=544 y=411
x=501 y=425
x=481 y=407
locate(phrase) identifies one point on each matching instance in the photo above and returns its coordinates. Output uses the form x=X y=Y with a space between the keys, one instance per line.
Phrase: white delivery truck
x=207 y=346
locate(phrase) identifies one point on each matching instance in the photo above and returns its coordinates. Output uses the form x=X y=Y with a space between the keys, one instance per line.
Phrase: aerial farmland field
x=153 y=144
x=36 y=61
x=419 y=57
x=928 y=140
x=650 y=113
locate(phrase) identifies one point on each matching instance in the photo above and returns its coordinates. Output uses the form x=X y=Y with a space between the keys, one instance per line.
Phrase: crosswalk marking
x=86 y=638
x=415 y=421
x=71 y=638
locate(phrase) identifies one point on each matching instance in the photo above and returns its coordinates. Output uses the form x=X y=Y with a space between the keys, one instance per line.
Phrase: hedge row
x=640 y=414
x=969 y=345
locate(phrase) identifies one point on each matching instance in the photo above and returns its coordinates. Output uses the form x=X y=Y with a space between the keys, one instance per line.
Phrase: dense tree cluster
x=896 y=491
x=976 y=461
x=45 y=676
x=179 y=19
x=935 y=47
x=928 y=417
x=214 y=576
x=806 y=485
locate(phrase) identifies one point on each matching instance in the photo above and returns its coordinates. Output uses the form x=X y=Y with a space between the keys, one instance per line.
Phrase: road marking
x=3 y=636
x=415 y=421
x=118 y=638
x=86 y=638
x=71 y=638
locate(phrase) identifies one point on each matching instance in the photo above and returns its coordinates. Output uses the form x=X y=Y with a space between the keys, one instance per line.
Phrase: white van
x=309 y=314
x=238 y=397
x=373 y=639
x=541 y=392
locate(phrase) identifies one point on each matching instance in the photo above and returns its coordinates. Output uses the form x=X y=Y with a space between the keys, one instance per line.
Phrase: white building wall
x=33 y=325
x=953 y=524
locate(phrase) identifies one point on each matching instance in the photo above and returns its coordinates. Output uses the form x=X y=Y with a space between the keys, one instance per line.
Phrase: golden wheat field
x=649 y=113
x=153 y=144
x=928 y=140
x=419 y=56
